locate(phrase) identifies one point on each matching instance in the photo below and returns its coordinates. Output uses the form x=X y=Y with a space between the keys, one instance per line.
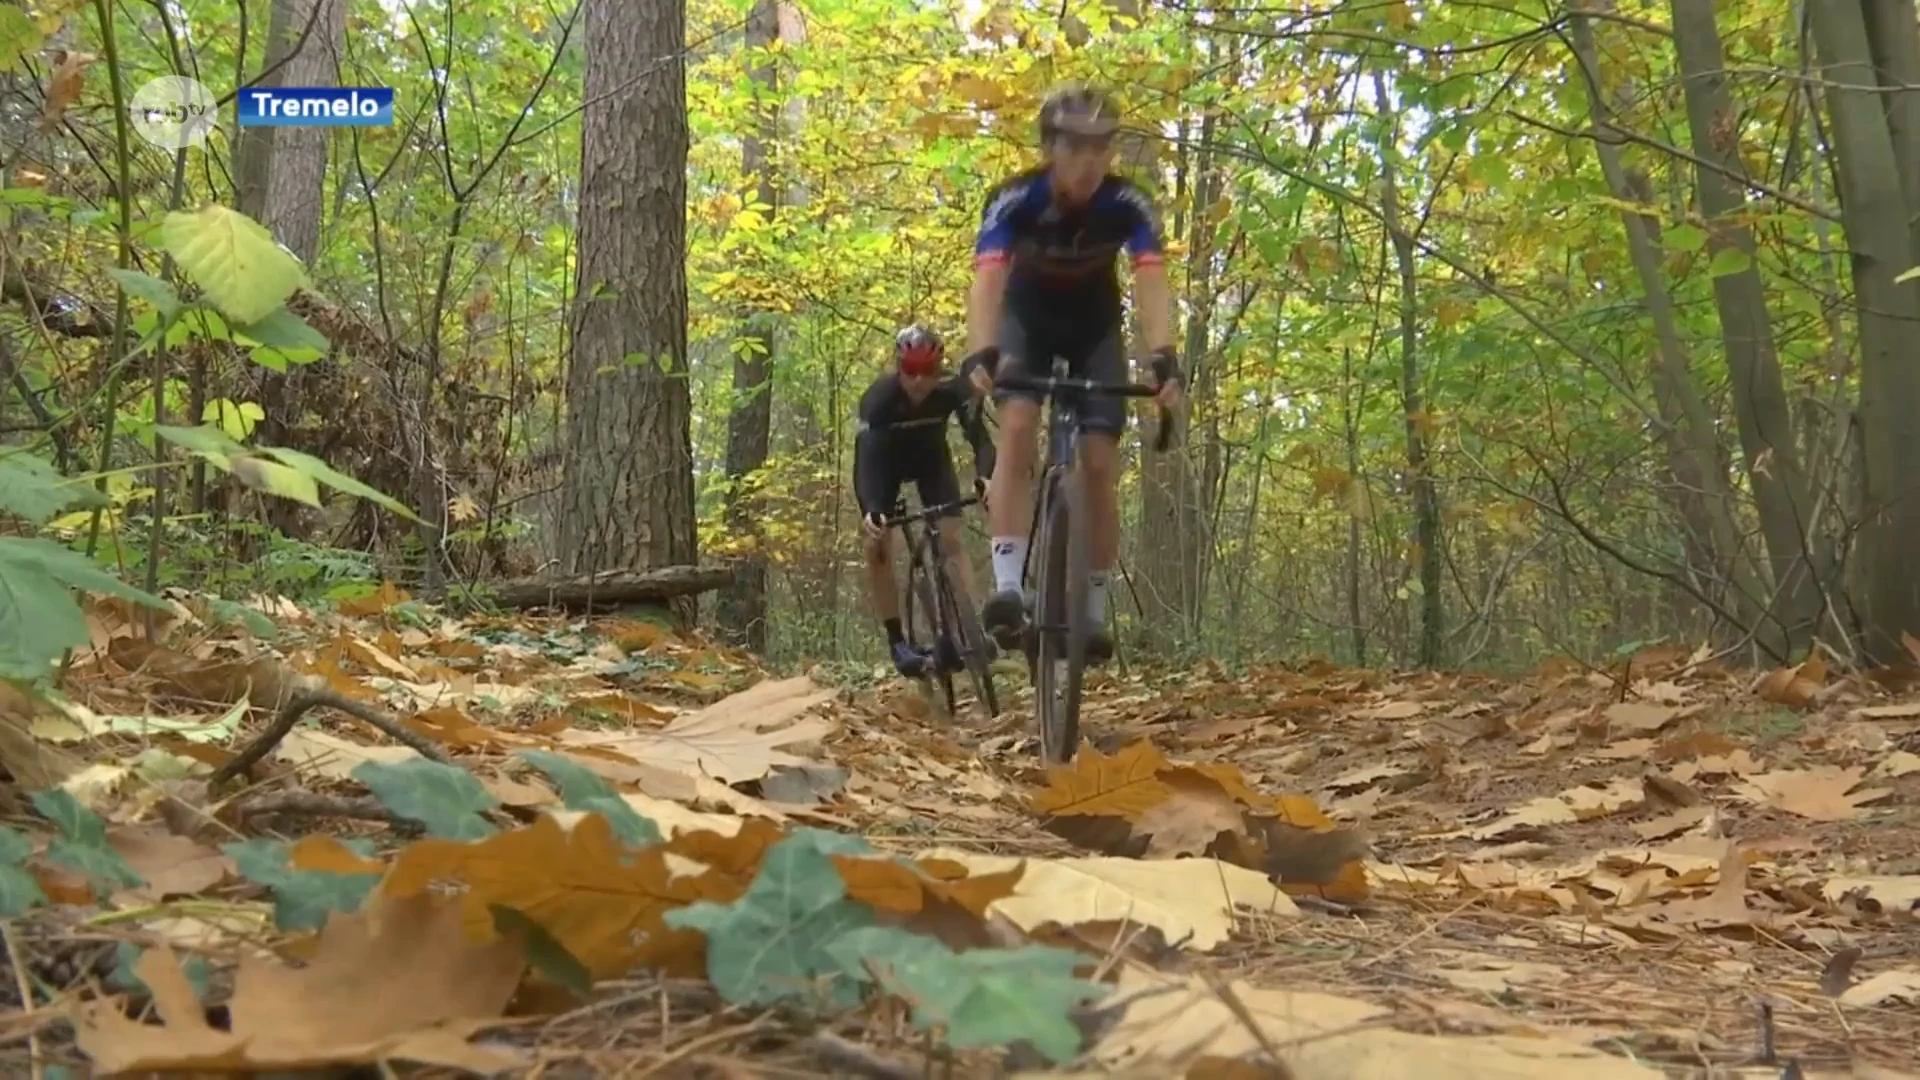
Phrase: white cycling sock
x=1097 y=598
x=1009 y=556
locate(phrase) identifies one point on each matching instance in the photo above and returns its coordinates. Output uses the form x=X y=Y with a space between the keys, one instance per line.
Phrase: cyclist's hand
x=983 y=363
x=1166 y=375
x=875 y=524
x=980 y=492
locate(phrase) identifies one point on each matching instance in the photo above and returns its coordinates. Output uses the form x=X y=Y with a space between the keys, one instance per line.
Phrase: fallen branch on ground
x=611 y=588
x=296 y=707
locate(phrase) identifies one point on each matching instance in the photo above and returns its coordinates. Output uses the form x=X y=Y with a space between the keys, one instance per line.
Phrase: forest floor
x=1668 y=868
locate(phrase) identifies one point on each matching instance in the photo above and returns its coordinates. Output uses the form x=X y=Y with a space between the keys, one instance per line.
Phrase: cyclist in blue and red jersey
x=1045 y=285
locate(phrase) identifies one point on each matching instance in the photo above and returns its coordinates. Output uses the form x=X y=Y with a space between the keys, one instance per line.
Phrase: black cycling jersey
x=900 y=439
x=1063 y=273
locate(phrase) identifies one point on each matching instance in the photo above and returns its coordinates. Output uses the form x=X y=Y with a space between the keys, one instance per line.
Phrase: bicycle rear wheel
x=964 y=623
x=1060 y=651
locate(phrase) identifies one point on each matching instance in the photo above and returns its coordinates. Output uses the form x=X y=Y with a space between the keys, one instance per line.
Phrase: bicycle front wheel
x=924 y=626
x=1060 y=653
x=964 y=623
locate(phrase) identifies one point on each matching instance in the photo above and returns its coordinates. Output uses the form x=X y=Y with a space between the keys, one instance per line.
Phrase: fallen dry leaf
x=1638 y=717
x=397 y=980
x=171 y=865
x=601 y=900
x=1491 y=974
x=1796 y=687
x=1169 y=1022
x=1191 y=901
x=737 y=738
x=1671 y=824
x=329 y=755
x=1889 y=893
x=1823 y=793
x=1884 y=987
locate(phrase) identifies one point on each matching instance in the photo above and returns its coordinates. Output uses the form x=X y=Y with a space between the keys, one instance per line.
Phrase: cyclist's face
x=1079 y=164
x=918 y=386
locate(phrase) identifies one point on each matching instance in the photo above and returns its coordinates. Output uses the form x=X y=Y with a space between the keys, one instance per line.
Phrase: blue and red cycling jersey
x=1062 y=261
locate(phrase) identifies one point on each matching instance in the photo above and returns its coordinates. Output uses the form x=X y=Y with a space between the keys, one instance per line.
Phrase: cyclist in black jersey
x=1045 y=285
x=903 y=437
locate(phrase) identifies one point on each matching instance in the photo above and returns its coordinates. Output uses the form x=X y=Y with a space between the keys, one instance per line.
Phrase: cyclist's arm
x=869 y=450
x=992 y=254
x=973 y=424
x=1151 y=296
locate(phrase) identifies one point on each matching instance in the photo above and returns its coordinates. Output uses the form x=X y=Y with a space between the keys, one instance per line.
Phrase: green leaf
x=206 y=440
x=581 y=790
x=233 y=259
x=15 y=848
x=234 y=419
x=302 y=899
x=19 y=37
x=32 y=489
x=448 y=801
x=339 y=481
x=1728 y=262
x=544 y=952
x=771 y=944
x=287 y=334
x=82 y=844
x=148 y=288
x=38 y=618
x=276 y=479
x=252 y=620
x=1908 y=275
x=982 y=997
x=19 y=892
x=1684 y=237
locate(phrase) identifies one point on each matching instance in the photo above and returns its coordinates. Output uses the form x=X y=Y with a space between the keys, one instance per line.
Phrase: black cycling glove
x=1166 y=365
x=988 y=359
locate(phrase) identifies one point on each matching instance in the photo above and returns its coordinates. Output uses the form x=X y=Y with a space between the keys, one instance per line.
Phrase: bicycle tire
x=1060 y=649
x=972 y=639
x=920 y=586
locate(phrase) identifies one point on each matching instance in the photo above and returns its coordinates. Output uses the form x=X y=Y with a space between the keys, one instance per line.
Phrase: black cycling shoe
x=1099 y=648
x=1004 y=616
x=909 y=661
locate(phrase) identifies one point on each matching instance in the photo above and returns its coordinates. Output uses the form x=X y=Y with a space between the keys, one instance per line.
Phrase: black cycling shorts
x=881 y=469
x=1030 y=351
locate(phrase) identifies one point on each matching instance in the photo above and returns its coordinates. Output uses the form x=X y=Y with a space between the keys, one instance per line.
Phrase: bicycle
x=941 y=614
x=1056 y=641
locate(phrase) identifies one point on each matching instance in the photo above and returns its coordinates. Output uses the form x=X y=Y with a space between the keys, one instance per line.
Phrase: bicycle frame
x=1058 y=631
x=940 y=599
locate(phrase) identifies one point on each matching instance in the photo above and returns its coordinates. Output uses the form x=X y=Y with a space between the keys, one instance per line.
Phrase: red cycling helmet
x=918 y=351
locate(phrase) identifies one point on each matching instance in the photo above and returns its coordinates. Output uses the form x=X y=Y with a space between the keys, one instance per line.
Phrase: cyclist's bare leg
x=1010 y=489
x=1010 y=510
x=883 y=590
x=1098 y=458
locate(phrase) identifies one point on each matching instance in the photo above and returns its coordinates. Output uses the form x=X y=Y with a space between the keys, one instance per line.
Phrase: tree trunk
x=1893 y=36
x=1165 y=555
x=280 y=172
x=627 y=495
x=1874 y=207
x=743 y=605
x=1426 y=497
x=1780 y=489
x=1352 y=404
x=1702 y=495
